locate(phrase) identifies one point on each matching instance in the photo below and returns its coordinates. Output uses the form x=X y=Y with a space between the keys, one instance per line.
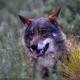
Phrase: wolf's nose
x=34 y=47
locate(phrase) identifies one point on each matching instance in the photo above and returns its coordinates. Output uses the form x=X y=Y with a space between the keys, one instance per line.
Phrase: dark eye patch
x=31 y=34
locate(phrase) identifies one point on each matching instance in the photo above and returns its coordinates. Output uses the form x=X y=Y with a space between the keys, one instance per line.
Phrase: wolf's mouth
x=42 y=51
x=39 y=52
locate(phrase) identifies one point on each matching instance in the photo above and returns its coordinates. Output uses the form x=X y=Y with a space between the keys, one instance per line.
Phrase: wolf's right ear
x=54 y=17
x=25 y=20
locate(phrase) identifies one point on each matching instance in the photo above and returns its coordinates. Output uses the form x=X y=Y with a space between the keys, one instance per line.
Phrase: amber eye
x=43 y=31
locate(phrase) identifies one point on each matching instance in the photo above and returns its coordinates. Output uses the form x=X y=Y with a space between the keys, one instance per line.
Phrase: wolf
x=45 y=40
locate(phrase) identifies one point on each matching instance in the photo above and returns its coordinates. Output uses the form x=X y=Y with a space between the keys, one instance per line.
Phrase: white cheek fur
x=59 y=36
x=51 y=45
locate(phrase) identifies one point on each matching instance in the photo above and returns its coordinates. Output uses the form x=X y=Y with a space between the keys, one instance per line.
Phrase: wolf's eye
x=31 y=34
x=43 y=31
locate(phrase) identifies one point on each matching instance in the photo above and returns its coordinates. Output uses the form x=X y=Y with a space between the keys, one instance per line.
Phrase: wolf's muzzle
x=38 y=51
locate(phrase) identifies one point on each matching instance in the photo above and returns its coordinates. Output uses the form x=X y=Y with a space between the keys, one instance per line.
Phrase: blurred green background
x=14 y=62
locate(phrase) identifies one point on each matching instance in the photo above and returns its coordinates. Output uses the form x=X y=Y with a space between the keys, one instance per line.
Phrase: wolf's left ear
x=25 y=20
x=55 y=16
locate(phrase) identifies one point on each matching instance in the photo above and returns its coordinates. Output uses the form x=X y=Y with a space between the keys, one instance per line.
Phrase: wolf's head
x=41 y=33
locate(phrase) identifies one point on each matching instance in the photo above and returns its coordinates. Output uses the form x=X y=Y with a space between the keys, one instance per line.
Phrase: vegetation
x=14 y=62
x=72 y=68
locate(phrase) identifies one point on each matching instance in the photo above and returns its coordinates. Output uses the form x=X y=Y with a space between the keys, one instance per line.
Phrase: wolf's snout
x=40 y=48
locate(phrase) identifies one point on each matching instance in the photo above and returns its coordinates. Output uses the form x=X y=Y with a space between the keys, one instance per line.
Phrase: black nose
x=34 y=47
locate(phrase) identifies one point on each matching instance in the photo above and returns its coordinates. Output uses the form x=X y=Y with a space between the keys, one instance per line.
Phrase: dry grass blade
x=73 y=68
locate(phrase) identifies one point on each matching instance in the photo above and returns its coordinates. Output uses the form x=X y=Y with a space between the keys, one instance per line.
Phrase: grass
x=14 y=62
x=73 y=68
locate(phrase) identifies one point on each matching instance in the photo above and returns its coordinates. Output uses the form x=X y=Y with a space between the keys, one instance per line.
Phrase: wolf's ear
x=55 y=16
x=25 y=20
